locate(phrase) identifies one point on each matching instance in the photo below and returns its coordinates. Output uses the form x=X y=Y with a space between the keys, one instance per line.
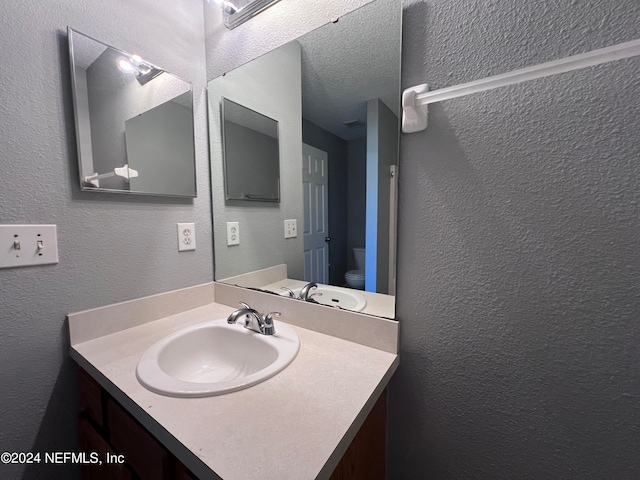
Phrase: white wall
x=111 y=248
x=270 y=85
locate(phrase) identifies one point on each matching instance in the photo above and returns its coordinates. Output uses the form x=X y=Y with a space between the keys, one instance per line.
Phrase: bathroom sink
x=214 y=358
x=336 y=297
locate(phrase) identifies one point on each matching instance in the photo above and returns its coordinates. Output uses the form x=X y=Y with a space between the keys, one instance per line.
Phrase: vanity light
x=124 y=65
x=237 y=12
x=143 y=71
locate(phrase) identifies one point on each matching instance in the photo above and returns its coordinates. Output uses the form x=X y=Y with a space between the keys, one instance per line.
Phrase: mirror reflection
x=134 y=122
x=251 y=154
x=335 y=95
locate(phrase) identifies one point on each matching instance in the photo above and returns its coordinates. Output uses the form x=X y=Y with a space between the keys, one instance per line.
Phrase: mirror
x=335 y=93
x=134 y=122
x=251 y=154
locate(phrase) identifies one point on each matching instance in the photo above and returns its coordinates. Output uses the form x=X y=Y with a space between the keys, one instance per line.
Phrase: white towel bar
x=416 y=99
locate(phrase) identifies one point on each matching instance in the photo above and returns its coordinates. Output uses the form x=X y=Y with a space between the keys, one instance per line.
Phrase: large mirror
x=335 y=93
x=134 y=122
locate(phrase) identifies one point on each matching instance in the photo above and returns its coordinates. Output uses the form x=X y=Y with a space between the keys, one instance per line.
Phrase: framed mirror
x=335 y=93
x=251 y=154
x=134 y=122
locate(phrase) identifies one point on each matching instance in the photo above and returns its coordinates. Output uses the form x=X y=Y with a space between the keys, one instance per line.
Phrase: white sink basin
x=214 y=358
x=336 y=297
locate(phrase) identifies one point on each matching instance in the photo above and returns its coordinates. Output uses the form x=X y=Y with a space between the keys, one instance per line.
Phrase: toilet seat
x=355 y=279
x=355 y=274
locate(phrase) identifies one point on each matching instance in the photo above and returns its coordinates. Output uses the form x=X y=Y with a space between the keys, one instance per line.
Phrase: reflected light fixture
x=134 y=64
x=236 y=12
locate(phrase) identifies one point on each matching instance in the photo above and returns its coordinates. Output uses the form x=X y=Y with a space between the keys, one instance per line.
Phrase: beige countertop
x=295 y=425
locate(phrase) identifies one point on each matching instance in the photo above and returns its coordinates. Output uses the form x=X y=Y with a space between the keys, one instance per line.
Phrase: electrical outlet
x=233 y=233
x=290 y=228
x=186 y=236
x=24 y=245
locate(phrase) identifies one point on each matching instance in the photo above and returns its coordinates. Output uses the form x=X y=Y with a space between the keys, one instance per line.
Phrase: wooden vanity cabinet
x=106 y=427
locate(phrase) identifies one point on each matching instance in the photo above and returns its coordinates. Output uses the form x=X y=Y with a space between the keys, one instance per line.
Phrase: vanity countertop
x=295 y=425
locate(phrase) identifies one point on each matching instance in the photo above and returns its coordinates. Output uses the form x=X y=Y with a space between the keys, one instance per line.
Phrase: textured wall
x=277 y=25
x=518 y=261
x=111 y=248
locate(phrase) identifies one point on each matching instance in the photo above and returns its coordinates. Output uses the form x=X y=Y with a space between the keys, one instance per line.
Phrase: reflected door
x=316 y=214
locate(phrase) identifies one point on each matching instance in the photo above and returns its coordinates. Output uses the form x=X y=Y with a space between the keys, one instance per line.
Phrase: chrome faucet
x=253 y=319
x=289 y=291
x=304 y=293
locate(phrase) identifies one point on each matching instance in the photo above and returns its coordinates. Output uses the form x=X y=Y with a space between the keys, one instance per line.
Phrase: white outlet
x=290 y=228
x=233 y=233
x=186 y=236
x=23 y=245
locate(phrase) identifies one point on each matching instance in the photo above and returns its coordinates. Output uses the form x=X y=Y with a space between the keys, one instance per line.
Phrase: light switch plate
x=233 y=233
x=24 y=245
x=186 y=236
x=290 y=228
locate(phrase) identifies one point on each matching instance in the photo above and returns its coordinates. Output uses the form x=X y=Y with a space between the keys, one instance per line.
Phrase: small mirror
x=134 y=122
x=251 y=154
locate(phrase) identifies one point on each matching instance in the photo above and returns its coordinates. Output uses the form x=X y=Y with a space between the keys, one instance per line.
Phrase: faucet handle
x=269 y=328
x=289 y=291
x=245 y=305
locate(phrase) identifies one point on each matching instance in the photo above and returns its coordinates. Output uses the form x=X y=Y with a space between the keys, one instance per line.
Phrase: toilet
x=355 y=278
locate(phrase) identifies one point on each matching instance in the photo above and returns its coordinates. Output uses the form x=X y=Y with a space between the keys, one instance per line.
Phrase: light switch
x=186 y=236
x=290 y=228
x=24 y=245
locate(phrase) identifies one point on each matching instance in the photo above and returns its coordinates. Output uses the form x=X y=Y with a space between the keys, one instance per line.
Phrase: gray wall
x=160 y=147
x=336 y=149
x=252 y=162
x=357 y=198
x=270 y=85
x=518 y=263
x=111 y=248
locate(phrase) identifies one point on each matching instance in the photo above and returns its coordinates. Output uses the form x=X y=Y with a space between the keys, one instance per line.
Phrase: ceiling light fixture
x=237 y=12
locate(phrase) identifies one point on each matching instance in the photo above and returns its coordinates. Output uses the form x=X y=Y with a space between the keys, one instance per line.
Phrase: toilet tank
x=359 y=254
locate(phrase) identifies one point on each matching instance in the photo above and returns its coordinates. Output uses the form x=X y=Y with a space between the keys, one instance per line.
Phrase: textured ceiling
x=344 y=64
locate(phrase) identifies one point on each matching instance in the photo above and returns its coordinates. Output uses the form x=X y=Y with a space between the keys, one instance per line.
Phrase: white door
x=315 y=183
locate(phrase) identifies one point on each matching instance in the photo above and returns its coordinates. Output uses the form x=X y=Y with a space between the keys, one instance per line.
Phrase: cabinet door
x=91 y=441
x=365 y=457
x=144 y=453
